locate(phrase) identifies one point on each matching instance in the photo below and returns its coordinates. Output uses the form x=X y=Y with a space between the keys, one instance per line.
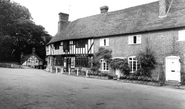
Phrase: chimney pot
x=63 y=16
x=104 y=9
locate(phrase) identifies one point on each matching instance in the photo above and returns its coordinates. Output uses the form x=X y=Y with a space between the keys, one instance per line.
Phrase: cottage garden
x=147 y=46
x=120 y=69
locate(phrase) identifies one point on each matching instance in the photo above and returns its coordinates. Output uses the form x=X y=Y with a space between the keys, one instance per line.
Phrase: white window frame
x=104 y=42
x=104 y=65
x=181 y=35
x=70 y=42
x=132 y=41
x=131 y=60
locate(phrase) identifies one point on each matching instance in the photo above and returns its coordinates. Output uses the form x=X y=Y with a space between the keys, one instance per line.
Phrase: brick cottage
x=159 y=26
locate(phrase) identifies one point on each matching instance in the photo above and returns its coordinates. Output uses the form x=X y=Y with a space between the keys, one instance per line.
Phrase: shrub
x=121 y=64
x=183 y=78
x=101 y=54
x=147 y=62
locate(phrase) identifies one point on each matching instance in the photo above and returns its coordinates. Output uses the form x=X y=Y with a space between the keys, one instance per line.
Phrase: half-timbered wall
x=83 y=46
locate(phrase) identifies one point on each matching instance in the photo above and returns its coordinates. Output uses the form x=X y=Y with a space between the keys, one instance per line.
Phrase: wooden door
x=173 y=68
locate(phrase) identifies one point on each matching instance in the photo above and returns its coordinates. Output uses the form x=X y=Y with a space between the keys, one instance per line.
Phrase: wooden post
x=51 y=69
x=62 y=70
x=87 y=73
x=77 y=72
x=69 y=71
x=56 y=70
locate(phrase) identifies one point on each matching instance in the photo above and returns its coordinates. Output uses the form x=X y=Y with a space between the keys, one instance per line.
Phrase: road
x=38 y=89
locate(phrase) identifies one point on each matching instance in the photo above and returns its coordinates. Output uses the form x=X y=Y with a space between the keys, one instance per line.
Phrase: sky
x=45 y=12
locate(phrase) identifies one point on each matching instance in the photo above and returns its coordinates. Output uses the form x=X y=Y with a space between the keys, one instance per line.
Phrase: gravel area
x=38 y=89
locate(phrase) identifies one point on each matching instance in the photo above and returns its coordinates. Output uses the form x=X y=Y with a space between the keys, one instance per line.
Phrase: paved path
x=37 y=89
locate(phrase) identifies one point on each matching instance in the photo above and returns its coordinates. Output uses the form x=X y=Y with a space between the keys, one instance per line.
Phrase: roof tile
x=131 y=20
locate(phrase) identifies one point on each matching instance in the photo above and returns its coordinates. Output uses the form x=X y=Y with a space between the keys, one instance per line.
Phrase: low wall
x=10 y=65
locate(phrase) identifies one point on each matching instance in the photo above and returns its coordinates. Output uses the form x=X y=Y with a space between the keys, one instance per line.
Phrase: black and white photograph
x=92 y=54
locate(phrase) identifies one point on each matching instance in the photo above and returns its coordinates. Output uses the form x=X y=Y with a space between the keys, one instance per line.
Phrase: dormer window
x=136 y=39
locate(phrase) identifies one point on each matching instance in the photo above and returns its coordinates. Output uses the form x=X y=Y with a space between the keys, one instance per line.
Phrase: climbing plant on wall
x=121 y=64
x=147 y=61
x=102 y=53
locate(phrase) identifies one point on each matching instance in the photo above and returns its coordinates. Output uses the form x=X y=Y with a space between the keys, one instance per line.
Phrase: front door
x=173 y=68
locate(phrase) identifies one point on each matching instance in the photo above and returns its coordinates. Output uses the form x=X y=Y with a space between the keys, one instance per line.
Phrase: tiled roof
x=26 y=57
x=131 y=20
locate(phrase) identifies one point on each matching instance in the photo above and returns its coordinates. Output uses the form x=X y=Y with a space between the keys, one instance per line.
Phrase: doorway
x=173 y=68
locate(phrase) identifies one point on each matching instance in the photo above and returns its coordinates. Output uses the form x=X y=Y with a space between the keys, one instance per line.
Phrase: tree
x=18 y=33
x=28 y=35
x=10 y=12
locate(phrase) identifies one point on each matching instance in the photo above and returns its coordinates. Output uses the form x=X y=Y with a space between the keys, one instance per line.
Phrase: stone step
x=172 y=83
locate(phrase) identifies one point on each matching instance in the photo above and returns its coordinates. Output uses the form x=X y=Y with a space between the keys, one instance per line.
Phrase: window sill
x=180 y=40
x=103 y=46
x=135 y=44
x=104 y=70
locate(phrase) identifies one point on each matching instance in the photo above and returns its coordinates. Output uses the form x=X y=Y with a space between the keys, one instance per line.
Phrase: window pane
x=107 y=66
x=104 y=66
x=182 y=35
x=104 y=42
x=130 y=40
x=139 y=39
x=135 y=39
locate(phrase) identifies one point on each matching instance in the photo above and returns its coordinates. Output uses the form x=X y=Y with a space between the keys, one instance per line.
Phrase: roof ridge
x=114 y=11
x=144 y=17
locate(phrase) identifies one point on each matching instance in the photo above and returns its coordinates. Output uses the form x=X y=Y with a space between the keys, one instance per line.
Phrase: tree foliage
x=18 y=33
x=10 y=12
x=102 y=53
x=121 y=64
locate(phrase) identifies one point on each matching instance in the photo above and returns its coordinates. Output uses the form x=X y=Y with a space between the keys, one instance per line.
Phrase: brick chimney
x=163 y=7
x=33 y=50
x=104 y=9
x=63 y=21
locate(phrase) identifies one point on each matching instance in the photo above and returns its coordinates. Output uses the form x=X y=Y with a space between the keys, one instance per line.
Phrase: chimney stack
x=104 y=9
x=163 y=7
x=33 y=50
x=63 y=21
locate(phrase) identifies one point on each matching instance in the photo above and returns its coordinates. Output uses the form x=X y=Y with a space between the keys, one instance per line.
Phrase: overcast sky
x=45 y=12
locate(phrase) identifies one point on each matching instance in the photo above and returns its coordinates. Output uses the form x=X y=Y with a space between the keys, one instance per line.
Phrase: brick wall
x=162 y=43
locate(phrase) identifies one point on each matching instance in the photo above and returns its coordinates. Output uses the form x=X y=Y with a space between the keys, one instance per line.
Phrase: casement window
x=81 y=61
x=66 y=46
x=57 y=45
x=104 y=65
x=59 y=61
x=134 y=39
x=71 y=42
x=181 y=35
x=133 y=63
x=104 y=42
x=81 y=43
